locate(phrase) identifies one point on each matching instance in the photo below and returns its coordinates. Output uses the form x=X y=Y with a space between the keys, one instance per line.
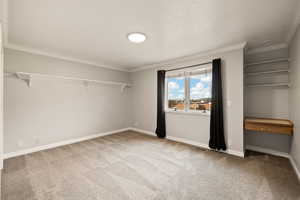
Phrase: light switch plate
x=228 y=103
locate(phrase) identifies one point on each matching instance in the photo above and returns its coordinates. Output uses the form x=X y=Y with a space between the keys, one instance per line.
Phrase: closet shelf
x=269 y=125
x=267 y=72
x=27 y=77
x=269 y=85
x=268 y=61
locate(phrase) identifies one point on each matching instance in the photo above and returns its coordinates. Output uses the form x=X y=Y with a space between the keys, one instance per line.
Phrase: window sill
x=188 y=113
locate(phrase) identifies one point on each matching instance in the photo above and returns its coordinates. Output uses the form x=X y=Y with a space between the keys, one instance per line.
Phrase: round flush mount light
x=136 y=37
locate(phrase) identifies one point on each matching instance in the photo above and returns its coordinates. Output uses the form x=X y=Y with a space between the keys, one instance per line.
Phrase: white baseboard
x=276 y=153
x=205 y=146
x=187 y=141
x=236 y=153
x=241 y=154
x=142 y=131
x=57 y=144
x=268 y=151
x=296 y=168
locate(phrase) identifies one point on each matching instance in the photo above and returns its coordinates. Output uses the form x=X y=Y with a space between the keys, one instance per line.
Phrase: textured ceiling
x=95 y=30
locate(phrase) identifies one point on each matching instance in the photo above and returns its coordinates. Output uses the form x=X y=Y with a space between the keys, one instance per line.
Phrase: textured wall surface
x=54 y=110
x=194 y=127
x=295 y=95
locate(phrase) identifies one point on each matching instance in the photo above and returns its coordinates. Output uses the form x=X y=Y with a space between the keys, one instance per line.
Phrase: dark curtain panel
x=161 y=120
x=217 y=140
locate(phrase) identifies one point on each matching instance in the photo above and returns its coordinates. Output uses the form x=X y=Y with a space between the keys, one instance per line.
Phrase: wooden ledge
x=269 y=125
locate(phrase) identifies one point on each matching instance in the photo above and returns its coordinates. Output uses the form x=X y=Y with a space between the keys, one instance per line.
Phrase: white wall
x=1 y=99
x=56 y=110
x=1 y=10
x=193 y=127
x=295 y=95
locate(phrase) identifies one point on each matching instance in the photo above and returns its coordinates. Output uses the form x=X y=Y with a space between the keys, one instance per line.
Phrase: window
x=176 y=93
x=189 y=91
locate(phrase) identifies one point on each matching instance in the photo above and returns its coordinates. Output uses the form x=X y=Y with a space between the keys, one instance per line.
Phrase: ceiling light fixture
x=136 y=37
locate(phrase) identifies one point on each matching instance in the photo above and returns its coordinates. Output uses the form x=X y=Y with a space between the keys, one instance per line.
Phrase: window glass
x=189 y=90
x=176 y=93
x=200 y=92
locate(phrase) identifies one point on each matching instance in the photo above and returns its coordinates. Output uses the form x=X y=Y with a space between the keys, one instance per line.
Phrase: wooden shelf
x=269 y=85
x=268 y=61
x=27 y=77
x=269 y=125
x=267 y=72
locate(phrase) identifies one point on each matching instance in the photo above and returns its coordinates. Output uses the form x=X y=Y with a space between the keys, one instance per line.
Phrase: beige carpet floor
x=130 y=165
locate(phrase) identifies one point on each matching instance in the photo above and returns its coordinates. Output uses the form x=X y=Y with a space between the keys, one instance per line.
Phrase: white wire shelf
x=27 y=77
x=269 y=85
x=267 y=72
x=268 y=61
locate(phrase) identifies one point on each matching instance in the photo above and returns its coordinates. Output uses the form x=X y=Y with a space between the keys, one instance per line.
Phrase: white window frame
x=186 y=74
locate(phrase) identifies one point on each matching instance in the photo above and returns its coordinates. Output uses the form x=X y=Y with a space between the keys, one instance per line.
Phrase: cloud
x=173 y=85
x=175 y=90
x=175 y=96
x=200 y=91
x=204 y=77
x=199 y=86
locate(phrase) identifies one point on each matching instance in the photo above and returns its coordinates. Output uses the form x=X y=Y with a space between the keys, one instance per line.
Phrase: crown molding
x=61 y=57
x=168 y=62
x=266 y=49
x=4 y=20
x=8 y=45
x=294 y=26
x=213 y=52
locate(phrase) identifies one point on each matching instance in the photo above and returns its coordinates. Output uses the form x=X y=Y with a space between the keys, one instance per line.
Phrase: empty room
x=150 y=99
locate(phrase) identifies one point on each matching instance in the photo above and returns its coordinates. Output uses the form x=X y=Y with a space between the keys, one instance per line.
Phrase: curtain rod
x=189 y=66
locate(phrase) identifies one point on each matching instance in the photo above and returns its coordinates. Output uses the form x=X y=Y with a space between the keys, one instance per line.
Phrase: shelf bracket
x=25 y=77
x=28 y=77
x=124 y=86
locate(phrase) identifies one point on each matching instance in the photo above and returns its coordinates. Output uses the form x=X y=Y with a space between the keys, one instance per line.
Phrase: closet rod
x=189 y=66
x=29 y=76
